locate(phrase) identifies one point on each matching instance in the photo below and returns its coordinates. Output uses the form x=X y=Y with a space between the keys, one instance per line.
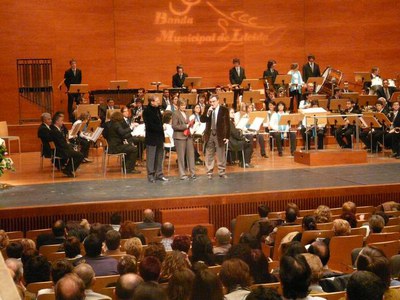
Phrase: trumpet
x=397 y=129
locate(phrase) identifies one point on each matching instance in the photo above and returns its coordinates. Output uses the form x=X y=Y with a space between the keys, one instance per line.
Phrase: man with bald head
x=57 y=236
x=148 y=220
x=167 y=233
x=126 y=286
x=70 y=287
x=86 y=273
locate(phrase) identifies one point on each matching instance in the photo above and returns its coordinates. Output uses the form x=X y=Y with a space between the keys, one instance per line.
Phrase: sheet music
x=139 y=130
x=199 y=129
x=74 y=130
x=242 y=124
x=255 y=126
x=93 y=137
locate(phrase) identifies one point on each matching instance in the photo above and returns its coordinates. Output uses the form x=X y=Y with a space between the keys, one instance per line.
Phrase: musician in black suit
x=179 y=78
x=386 y=91
x=154 y=140
x=270 y=71
x=72 y=76
x=119 y=140
x=103 y=109
x=237 y=73
x=65 y=150
x=343 y=134
x=374 y=73
x=166 y=101
x=311 y=69
x=44 y=133
x=392 y=138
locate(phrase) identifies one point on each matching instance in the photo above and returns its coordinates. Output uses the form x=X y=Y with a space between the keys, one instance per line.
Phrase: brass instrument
x=397 y=129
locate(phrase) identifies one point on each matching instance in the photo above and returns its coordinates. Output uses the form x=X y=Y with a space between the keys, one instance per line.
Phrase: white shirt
x=169 y=132
x=274 y=122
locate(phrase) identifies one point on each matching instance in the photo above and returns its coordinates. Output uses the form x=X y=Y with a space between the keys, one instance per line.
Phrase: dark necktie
x=213 y=125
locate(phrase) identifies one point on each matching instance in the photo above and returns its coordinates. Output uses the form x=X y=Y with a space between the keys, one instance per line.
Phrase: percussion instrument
x=331 y=77
x=376 y=83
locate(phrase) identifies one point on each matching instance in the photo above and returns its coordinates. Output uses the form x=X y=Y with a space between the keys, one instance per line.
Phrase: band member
x=137 y=111
x=237 y=73
x=69 y=157
x=179 y=78
x=305 y=98
x=310 y=131
x=295 y=86
x=154 y=140
x=239 y=142
x=196 y=118
x=80 y=139
x=166 y=101
x=103 y=109
x=374 y=74
x=343 y=133
x=311 y=69
x=129 y=122
x=392 y=138
x=216 y=135
x=376 y=134
x=259 y=137
x=270 y=72
x=119 y=139
x=72 y=76
x=44 y=133
x=183 y=140
x=281 y=131
x=346 y=88
x=386 y=91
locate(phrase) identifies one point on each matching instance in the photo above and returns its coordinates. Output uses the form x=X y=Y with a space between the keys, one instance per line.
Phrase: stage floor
x=297 y=178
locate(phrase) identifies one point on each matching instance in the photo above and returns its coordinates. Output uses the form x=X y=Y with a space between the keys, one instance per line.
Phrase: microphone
x=210 y=109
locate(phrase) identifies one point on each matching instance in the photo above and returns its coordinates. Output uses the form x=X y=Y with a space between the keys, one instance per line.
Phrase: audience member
x=364 y=285
x=167 y=233
x=133 y=246
x=14 y=250
x=202 y=250
x=36 y=269
x=263 y=293
x=86 y=273
x=323 y=214
x=57 y=237
x=155 y=249
x=130 y=230
x=16 y=266
x=27 y=244
x=349 y=207
x=59 y=269
x=341 y=227
x=113 y=240
x=149 y=291
x=150 y=268
x=376 y=224
x=127 y=264
x=115 y=221
x=148 y=220
x=199 y=229
x=235 y=276
x=175 y=260
x=126 y=286
x=70 y=287
x=72 y=249
x=4 y=240
x=180 y=284
x=316 y=267
x=349 y=217
x=223 y=241
x=206 y=285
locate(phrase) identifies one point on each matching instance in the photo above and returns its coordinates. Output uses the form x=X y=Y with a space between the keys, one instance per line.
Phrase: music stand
x=352 y=95
x=109 y=113
x=253 y=84
x=383 y=119
x=92 y=109
x=190 y=98
x=257 y=114
x=316 y=81
x=82 y=88
x=93 y=125
x=370 y=123
x=395 y=97
x=227 y=97
x=283 y=79
x=322 y=103
x=362 y=76
x=147 y=95
x=285 y=100
x=193 y=82
x=338 y=104
x=336 y=120
x=291 y=120
x=188 y=112
x=118 y=84
x=157 y=84
x=365 y=100
x=251 y=96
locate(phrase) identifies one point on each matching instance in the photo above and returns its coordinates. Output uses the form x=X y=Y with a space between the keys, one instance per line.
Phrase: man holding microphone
x=216 y=135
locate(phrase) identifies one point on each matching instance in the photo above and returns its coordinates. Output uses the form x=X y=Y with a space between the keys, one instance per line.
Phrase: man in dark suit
x=386 y=91
x=392 y=139
x=72 y=76
x=103 y=109
x=270 y=71
x=216 y=135
x=237 y=73
x=44 y=134
x=343 y=133
x=154 y=140
x=165 y=99
x=311 y=69
x=179 y=78
x=57 y=236
x=65 y=150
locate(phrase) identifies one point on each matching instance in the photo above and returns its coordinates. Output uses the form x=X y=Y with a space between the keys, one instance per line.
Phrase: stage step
x=330 y=157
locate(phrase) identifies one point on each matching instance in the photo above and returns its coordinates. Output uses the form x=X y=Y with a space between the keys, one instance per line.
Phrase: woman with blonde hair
x=323 y=214
x=174 y=261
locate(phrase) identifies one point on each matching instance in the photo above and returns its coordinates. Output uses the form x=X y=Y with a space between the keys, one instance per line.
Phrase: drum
x=331 y=76
x=376 y=83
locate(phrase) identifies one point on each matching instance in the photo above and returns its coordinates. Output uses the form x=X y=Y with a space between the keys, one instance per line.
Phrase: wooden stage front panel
x=330 y=157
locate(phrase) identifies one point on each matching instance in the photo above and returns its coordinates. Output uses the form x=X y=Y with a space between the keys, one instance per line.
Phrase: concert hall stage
x=35 y=206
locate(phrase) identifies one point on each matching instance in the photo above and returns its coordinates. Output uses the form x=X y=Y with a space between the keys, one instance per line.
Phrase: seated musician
x=343 y=133
x=367 y=84
x=385 y=91
x=295 y=86
x=80 y=139
x=44 y=133
x=280 y=132
x=305 y=101
x=137 y=111
x=64 y=149
x=271 y=95
x=392 y=138
x=309 y=132
x=377 y=133
x=138 y=141
x=259 y=137
x=179 y=78
x=346 y=88
x=120 y=140
x=166 y=101
x=196 y=117
x=103 y=109
x=202 y=103
x=238 y=142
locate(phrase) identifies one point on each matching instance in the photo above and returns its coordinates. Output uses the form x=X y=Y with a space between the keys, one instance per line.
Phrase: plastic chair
x=9 y=138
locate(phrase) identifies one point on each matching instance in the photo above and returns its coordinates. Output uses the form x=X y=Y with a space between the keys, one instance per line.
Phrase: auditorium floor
x=34 y=187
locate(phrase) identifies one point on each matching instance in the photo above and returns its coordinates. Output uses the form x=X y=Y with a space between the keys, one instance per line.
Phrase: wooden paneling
x=330 y=157
x=134 y=40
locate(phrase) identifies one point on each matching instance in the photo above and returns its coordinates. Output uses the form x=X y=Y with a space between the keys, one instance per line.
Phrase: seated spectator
x=376 y=224
x=126 y=286
x=199 y=229
x=181 y=243
x=223 y=239
x=57 y=237
x=72 y=249
x=86 y=273
x=247 y=238
x=321 y=249
x=129 y=230
x=255 y=228
x=341 y=227
x=116 y=221
x=293 y=248
x=206 y=285
x=167 y=233
x=113 y=239
x=148 y=220
x=202 y=250
x=100 y=230
x=174 y=261
x=374 y=260
x=17 y=268
x=295 y=277
x=389 y=206
x=349 y=217
x=323 y=214
x=309 y=223
x=59 y=269
x=150 y=291
x=365 y=285
x=102 y=265
x=155 y=249
x=14 y=250
x=4 y=240
x=28 y=254
x=150 y=268
x=44 y=131
x=315 y=265
x=383 y=215
x=180 y=284
x=70 y=287
x=349 y=207
x=36 y=269
x=291 y=214
x=127 y=264
x=263 y=293
x=235 y=276
x=27 y=244
x=133 y=246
